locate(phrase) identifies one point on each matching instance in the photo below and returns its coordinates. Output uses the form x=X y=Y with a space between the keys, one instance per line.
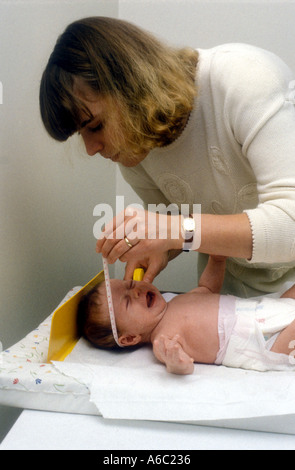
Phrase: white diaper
x=257 y=325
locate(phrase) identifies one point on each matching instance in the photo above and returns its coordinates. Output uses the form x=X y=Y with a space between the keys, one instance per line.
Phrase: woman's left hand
x=141 y=239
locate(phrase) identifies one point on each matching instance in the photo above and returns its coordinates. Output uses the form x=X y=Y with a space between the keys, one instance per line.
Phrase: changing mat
x=133 y=385
x=27 y=381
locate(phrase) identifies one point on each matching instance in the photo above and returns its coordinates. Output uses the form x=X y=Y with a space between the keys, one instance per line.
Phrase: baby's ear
x=129 y=340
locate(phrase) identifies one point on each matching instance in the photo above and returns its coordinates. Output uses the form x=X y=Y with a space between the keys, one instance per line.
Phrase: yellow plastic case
x=64 y=331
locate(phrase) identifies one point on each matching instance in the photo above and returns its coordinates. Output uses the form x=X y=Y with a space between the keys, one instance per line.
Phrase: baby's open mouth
x=150 y=298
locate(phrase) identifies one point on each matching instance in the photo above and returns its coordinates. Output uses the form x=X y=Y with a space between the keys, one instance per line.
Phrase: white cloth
x=132 y=385
x=237 y=154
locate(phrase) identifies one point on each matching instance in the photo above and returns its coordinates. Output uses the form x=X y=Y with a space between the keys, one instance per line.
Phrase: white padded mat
x=27 y=381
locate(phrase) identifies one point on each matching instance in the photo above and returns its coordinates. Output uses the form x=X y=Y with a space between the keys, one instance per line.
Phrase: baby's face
x=138 y=305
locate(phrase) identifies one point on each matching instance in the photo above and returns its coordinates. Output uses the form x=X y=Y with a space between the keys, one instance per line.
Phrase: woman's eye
x=96 y=128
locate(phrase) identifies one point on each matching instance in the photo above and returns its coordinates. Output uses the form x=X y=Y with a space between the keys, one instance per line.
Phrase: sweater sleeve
x=273 y=221
x=261 y=115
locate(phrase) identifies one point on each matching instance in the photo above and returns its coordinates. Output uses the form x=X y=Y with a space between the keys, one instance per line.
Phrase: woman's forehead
x=83 y=91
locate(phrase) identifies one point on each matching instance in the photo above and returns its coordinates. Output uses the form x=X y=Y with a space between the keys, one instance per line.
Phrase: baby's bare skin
x=188 y=332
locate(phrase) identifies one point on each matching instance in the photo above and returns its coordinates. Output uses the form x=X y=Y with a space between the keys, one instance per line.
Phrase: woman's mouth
x=150 y=299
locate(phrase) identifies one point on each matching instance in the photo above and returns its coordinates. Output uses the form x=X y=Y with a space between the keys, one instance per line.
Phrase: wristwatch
x=188 y=231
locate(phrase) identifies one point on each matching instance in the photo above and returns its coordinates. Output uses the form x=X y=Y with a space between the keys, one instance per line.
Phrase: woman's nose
x=93 y=145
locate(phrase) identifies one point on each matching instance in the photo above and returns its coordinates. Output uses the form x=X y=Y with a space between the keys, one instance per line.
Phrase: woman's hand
x=153 y=261
x=141 y=239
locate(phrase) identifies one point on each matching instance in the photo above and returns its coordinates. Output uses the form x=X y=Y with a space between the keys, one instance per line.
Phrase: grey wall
x=47 y=190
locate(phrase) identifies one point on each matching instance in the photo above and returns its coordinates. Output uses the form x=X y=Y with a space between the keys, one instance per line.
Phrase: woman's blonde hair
x=153 y=84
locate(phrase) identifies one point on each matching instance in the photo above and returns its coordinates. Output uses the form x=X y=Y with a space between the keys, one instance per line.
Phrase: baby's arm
x=171 y=353
x=213 y=275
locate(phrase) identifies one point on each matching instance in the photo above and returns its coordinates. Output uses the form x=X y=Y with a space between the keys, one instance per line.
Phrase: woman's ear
x=129 y=340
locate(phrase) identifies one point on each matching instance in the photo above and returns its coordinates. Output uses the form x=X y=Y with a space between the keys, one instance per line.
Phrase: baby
x=200 y=326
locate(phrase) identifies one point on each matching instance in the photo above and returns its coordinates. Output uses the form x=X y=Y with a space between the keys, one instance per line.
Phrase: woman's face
x=98 y=133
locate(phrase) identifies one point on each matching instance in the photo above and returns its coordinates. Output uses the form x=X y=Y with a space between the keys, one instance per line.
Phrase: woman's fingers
x=136 y=237
x=113 y=242
x=153 y=262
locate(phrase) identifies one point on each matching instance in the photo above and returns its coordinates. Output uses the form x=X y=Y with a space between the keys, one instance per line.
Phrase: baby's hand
x=170 y=352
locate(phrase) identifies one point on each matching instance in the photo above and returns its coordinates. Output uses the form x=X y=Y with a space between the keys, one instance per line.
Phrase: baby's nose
x=136 y=292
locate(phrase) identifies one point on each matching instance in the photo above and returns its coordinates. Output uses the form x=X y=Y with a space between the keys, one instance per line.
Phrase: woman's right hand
x=144 y=256
x=142 y=240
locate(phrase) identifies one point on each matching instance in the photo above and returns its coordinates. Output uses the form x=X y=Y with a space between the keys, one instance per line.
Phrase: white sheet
x=133 y=385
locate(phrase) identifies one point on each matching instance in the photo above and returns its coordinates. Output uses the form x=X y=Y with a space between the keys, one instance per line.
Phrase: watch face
x=189 y=224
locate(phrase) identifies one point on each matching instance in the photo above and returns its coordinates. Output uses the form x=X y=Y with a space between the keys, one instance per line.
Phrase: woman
x=212 y=127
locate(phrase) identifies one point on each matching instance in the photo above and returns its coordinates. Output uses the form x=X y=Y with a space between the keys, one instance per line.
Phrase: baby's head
x=93 y=320
x=138 y=306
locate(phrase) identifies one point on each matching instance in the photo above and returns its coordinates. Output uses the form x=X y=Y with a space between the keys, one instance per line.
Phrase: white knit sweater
x=237 y=153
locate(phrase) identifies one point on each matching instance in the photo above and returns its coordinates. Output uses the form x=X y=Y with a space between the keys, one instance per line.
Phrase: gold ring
x=128 y=242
